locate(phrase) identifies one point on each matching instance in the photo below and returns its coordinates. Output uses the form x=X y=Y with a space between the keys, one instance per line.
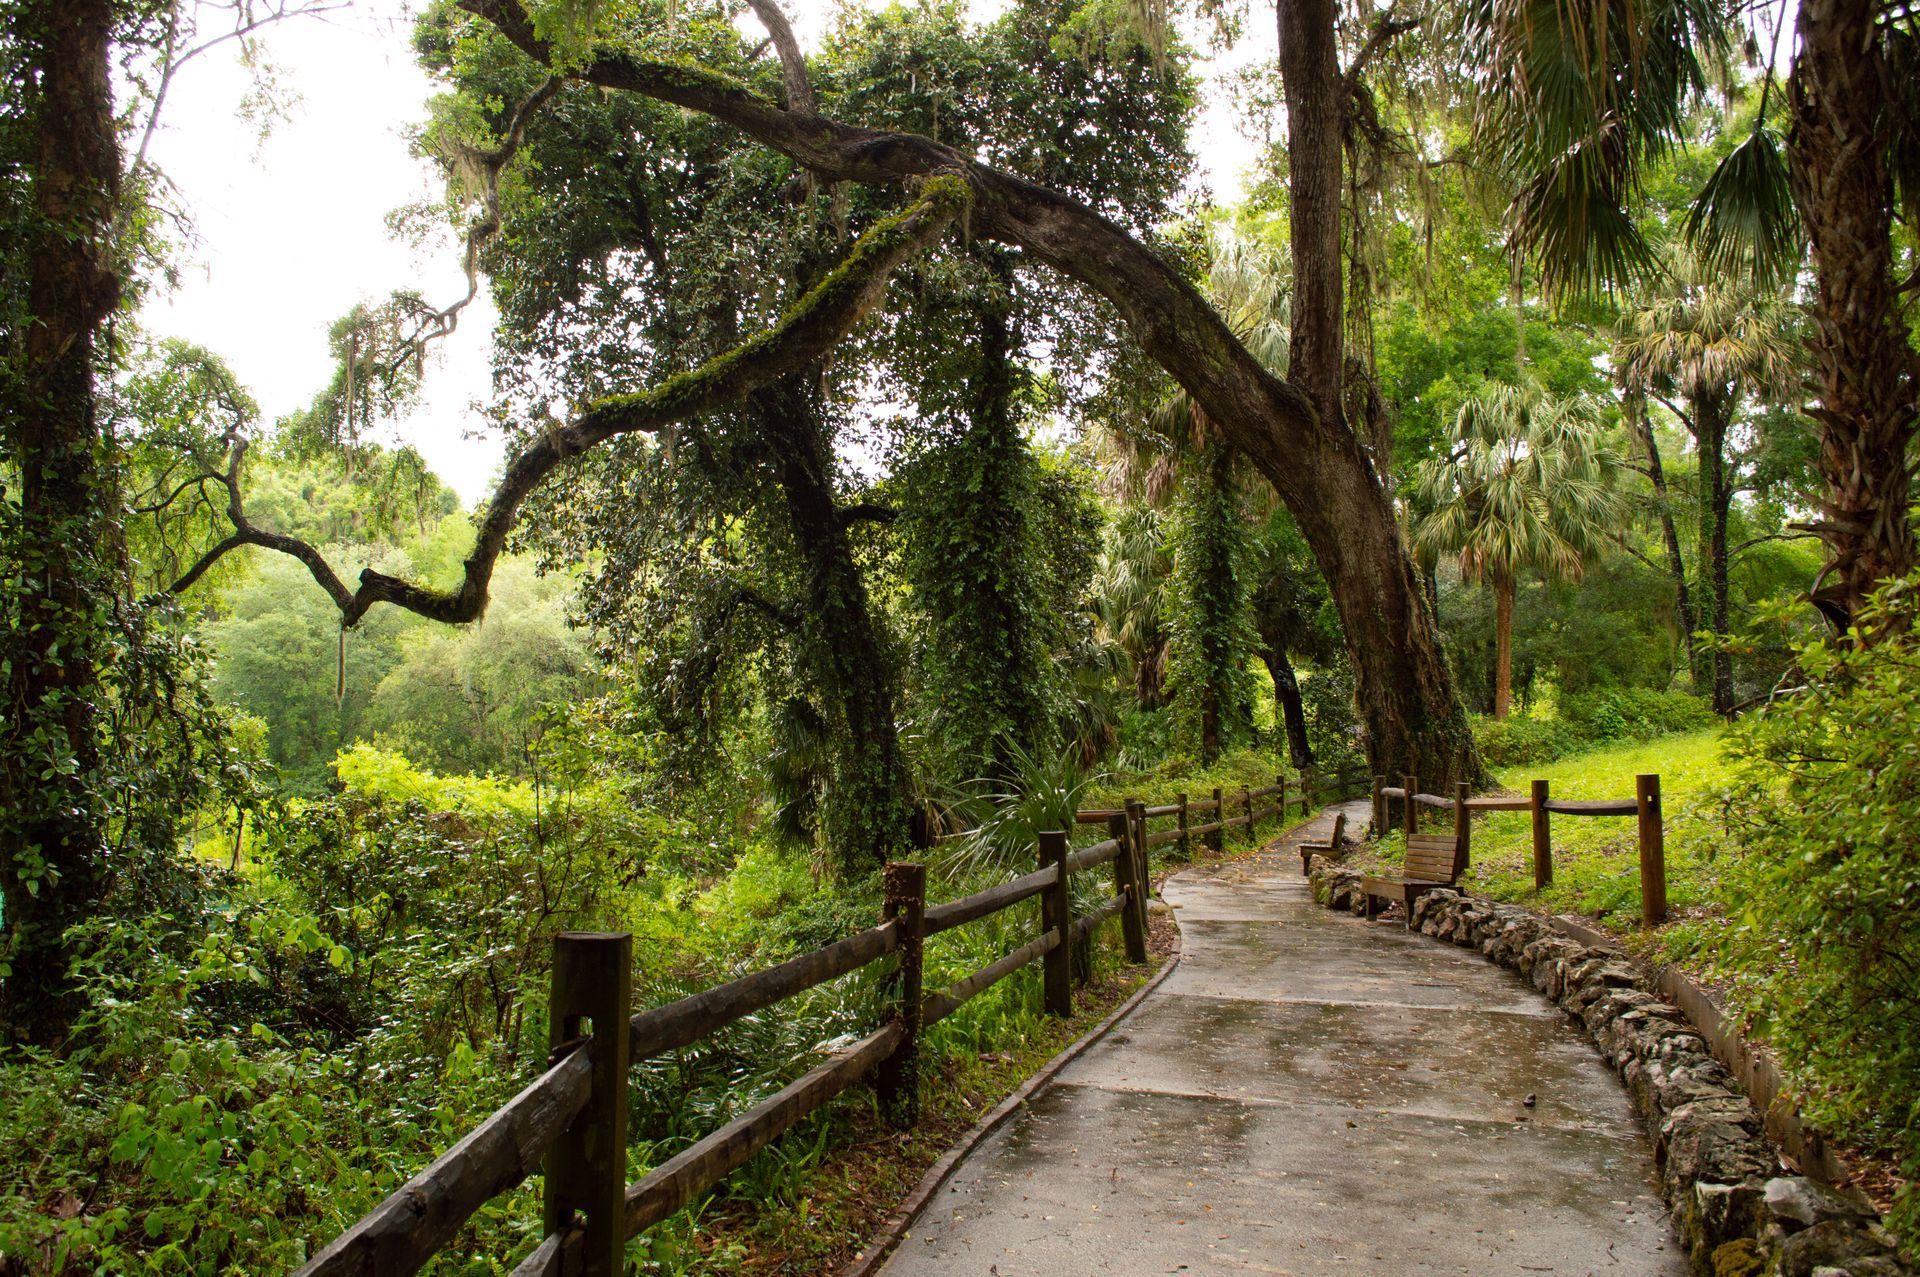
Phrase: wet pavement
x=1308 y=1093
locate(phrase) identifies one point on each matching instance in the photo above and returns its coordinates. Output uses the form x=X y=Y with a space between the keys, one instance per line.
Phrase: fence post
x=1462 y=826
x=1542 y=837
x=1246 y=800
x=1382 y=819
x=1056 y=915
x=1218 y=839
x=1653 y=852
x=586 y=1169
x=1186 y=844
x=1412 y=784
x=1130 y=877
x=898 y=1079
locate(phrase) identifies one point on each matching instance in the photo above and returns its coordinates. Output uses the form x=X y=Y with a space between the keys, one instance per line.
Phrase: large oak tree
x=1293 y=430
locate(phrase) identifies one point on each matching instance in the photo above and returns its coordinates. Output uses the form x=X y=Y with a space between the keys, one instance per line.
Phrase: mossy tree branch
x=1318 y=466
x=805 y=335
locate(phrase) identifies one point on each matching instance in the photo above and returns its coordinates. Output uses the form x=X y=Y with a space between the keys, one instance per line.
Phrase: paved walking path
x=1310 y=1094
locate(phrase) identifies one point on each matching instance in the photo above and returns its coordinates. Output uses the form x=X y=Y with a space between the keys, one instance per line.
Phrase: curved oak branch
x=806 y=334
x=1168 y=316
x=1317 y=465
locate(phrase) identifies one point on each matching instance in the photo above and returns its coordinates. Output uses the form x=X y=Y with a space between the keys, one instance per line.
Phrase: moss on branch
x=805 y=334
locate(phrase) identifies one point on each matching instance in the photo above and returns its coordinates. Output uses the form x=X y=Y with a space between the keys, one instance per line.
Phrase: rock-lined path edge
x=1304 y=1095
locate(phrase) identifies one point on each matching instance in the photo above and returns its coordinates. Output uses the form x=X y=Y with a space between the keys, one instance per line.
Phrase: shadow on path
x=1307 y=1094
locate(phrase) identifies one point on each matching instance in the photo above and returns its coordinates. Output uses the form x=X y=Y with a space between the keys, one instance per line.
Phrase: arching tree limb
x=1318 y=466
x=803 y=336
x=1171 y=319
x=793 y=64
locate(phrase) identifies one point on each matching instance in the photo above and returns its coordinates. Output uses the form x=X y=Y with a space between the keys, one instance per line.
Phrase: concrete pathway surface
x=1306 y=1094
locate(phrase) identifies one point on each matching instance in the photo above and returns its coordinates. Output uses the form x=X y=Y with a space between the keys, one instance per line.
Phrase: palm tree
x=1699 y=346
x=1577 y=99
x=1527 y=487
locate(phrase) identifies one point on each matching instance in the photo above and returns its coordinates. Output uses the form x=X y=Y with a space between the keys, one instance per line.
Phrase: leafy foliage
x=1825 y=873
x=1211 y=623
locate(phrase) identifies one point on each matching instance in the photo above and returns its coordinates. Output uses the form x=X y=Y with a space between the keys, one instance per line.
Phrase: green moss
x=875 y=253
x=1740 y=1258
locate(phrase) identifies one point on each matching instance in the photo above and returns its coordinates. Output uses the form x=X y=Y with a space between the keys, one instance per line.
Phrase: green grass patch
x=1596 y=859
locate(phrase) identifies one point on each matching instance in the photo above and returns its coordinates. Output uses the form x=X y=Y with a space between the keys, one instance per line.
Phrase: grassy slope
x=1596 y=865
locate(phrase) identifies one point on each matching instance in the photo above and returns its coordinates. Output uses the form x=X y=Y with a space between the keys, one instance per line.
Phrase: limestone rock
x=1795 y=1203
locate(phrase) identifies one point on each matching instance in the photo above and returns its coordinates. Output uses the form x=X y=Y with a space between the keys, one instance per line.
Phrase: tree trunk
x=868 y=813
x=52 y=841
x=1837 y=158
x=1503 y=590
x=1405 y=697
x=1710 y=414
x=1318 y=467
x=1293 y=715
x=1316 y=105
x=1682 y=596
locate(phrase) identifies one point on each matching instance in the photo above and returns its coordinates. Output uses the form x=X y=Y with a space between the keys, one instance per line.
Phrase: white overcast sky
x=291 y=232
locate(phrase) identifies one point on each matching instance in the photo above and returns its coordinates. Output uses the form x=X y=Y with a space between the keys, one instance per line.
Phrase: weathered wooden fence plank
x=957 y=913
x=678 y=1024
x=676 y=1182
x=941 y=1005
x=403 y=1232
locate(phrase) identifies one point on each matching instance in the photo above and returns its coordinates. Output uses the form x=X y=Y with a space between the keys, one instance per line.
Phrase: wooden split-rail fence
x=1645 y=805
x=571 y=1121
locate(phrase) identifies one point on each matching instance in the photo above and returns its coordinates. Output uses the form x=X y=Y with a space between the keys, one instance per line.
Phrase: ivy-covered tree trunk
x=1212 y=625
x=1710 y=420
x=1868 y=370
x=52 y=839
x=985 y=658
x=868 y=811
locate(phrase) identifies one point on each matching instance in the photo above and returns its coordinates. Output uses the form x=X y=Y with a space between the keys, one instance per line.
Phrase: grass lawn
x=1596 y=859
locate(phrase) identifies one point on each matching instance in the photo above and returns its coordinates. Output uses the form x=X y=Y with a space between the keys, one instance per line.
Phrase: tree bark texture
x=1670 y=535
x=868 y=813
x=1317 y=465
x=1869 y=374
x=1293 y=714
x=1712 y=413
x=52 y=857
x=1503 y=592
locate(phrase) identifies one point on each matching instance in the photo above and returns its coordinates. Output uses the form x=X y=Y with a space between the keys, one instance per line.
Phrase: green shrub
x=1635 y=713
x=1589 y=719
x=1826 y=867
x=1520 y=742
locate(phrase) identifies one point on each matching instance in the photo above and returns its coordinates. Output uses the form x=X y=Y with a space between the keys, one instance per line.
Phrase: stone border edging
x=1749 y=1063
x=1735 y=1212
x=899 y=1224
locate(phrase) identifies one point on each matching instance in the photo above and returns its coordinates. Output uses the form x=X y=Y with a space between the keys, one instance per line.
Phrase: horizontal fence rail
x=677 y=1024
x=409 y=1227
x=1644 y=805
x=570 y=1121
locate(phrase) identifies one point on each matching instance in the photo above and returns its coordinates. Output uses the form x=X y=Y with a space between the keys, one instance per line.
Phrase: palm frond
x=1743 y=221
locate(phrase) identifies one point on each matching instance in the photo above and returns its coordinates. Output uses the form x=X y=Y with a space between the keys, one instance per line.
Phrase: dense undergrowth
x=323 y=1017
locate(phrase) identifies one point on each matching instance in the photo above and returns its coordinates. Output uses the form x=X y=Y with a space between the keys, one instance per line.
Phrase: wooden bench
x=1330 y=848
x=1432 y=861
